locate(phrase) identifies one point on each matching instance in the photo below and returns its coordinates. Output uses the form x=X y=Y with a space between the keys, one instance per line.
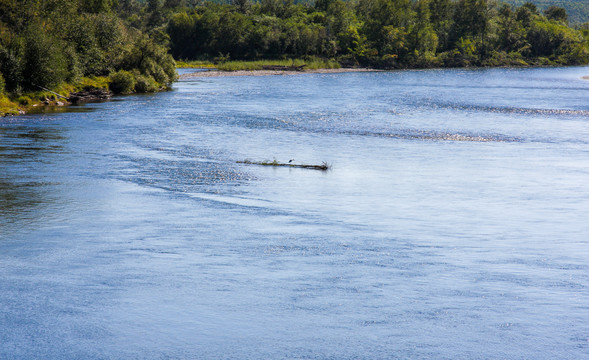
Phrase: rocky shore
x=57 y=100
x=89 y=96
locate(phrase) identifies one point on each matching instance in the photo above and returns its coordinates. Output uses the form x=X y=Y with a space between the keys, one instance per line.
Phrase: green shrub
x=24 y=100
x=11 y=66
x=145 y=84
x=122 y=82
x=7 y=107
x=2 y=84
x=92 y=82
x=45 y=64
x=194 y=64
x=310 y=63
x=150 y=59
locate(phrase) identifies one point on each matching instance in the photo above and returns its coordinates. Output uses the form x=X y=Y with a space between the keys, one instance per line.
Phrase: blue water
x=453 y=224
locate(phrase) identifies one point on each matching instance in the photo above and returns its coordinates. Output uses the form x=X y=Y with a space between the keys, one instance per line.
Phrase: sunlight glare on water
x=451 y=225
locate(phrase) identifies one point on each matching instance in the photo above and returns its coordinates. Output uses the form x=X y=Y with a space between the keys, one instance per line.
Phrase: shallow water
x=453 y=223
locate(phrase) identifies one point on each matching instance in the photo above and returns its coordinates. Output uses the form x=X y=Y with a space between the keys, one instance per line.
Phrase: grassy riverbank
x=194 y=64
x=311 y=64
x=84 y=89
x=49 y=50
x=20 y=103
x=217 y=73
x=251 y=65
x=8 y=107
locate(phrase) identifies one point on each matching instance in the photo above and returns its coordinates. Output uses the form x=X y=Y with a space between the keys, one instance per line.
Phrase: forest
x=129 y=46
x=578 y=10
x=378 y=33
x=52 y=48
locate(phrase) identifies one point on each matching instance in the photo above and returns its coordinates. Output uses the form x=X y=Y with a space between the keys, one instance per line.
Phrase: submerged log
x=323 y=167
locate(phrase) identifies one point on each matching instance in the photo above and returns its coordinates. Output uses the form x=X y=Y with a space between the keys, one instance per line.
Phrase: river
x=453 y=223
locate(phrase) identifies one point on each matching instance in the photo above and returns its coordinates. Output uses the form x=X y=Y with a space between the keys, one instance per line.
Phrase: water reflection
x=22 y=142
x=24 y=193
x=23 y=203
x=77 y=108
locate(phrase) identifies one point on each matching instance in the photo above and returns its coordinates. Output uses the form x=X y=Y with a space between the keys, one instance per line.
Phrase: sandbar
x=218 y=73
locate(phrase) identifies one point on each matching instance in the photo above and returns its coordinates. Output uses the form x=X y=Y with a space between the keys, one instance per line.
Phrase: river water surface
x=453 y=224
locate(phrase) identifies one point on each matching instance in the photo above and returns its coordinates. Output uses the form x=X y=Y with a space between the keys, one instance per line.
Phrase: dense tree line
x=577 y=10
x=381 y=33
x=45 y=43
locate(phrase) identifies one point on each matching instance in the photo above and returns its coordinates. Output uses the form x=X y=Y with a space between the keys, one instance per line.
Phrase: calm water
x=454 y=223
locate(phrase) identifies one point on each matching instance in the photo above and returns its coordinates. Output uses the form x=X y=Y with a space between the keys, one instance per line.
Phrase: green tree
x=557 y=41
x=44 y=63
x=149 y=59
x=471 y=21
x=386 y=23
x=423 y=38
x=156 y=13
x=441 y=12
x=184 y=42
x=511 y=33
x=243 y=6
x=122 y=82
x=97 y=6
x=526 y=14
x=557 y=14
x=11 y=63
x=2 y=84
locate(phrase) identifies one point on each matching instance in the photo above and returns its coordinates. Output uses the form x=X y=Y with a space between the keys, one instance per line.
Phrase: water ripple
x=509 y=109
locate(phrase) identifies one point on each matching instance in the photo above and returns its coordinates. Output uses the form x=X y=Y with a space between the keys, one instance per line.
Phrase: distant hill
x=578 y=10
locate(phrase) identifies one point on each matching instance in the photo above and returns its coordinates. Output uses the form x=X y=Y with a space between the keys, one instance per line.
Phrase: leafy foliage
x=577 y=10
x=2 y=84
x=122 y=82
x=377 y=33
x=44 y=43
x=309 y=64
x=43 y=63
x=130 y=43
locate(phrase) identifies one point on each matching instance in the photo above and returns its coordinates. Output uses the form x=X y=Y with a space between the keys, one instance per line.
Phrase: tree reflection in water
x=24 y=193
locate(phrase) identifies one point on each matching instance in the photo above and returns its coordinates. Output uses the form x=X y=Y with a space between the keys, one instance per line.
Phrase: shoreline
x=98 y=95
x=219 y=73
